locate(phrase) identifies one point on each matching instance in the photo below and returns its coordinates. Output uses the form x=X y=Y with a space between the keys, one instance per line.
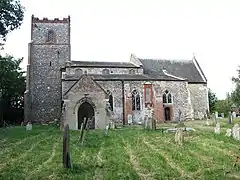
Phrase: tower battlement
x=46 y=20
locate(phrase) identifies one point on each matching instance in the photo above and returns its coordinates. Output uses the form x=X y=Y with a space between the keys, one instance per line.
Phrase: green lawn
x=128 y=153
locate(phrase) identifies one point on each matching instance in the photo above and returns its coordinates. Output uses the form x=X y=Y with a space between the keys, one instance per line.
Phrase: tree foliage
x=12 y=86
x=212 y=100
x=223 y=106
x=236 y=92
x=11 y=17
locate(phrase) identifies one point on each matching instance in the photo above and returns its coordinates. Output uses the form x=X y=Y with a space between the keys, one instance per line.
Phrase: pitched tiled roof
x=136 y=77
x=183 y=69
x=103 y=64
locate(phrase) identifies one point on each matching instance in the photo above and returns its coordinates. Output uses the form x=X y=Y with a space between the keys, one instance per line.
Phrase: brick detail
x=128 y=109
x=159 y=111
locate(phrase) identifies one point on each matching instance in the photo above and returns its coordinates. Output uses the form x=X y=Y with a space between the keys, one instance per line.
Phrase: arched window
x=136 y=101
x=50 y=36
x=132 y=71
x=78 y=71
x=110 y=99
x=105 y=71
x=167 y=97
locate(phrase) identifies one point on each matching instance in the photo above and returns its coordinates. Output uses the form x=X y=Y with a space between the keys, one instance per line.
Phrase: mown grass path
x=128 y=153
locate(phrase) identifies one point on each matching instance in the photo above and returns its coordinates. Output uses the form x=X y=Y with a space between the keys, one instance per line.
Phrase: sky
x=111 y=30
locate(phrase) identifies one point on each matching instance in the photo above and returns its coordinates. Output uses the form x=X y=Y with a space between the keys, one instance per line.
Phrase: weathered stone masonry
x=166 y=86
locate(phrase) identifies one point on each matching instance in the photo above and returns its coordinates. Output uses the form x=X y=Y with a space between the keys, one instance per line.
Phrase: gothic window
x=167 y=97
x=164 y=98
x=105 y=71
x=50 y=36
x=110 y=99
x=131 y=71
x=136 y=101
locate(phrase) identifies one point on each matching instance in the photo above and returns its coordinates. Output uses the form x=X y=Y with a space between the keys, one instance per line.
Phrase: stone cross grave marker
x=217 y=128
x=67 y=160
x=236 y=132
x=29 y=126
x=229 y=133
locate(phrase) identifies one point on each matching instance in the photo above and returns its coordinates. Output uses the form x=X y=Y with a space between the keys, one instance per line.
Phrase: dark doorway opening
x=167 y=113
x=86 y=111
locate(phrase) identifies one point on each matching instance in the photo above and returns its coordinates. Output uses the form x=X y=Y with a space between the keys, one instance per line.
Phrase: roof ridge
x=177 y=60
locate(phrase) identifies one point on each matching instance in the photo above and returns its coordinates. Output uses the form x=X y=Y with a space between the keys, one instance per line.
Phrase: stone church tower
x=49 y=50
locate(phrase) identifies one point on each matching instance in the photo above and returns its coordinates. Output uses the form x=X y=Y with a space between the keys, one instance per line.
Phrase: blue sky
x=110 y=30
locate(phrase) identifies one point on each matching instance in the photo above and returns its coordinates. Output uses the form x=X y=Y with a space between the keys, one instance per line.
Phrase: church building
x=61 y=88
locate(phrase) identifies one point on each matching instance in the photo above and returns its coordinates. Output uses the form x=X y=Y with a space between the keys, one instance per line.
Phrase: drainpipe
x=123 y=102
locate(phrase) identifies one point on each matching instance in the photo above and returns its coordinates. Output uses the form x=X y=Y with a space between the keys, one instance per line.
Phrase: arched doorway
x=167 y=113
x=85 y=110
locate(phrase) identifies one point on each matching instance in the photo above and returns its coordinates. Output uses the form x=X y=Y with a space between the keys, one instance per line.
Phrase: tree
x=11 y=17
x=212 y=100
x=12 y=87
x=236 y=92
x=223 y=106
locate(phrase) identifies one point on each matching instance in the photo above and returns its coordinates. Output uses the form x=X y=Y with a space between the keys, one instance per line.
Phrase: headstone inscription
x=67 y=160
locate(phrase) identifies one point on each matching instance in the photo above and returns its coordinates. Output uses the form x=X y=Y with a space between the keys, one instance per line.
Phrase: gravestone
x=29 y=126
x=85 y=130
x=217 y=128
x=179 y=137
x=129 y=119
x=230 y=118
x=208 y=114
x=236 y=132
x=109 y=114
x=222 y=115
x=67 y=160
x=179 y=115
x=234 y=114
x=229 y=133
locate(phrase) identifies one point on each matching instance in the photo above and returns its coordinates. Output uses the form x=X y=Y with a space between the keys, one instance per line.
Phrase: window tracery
x=167 y=97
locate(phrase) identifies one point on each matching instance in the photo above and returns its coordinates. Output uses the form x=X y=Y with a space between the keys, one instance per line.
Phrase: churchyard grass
x=128 y=153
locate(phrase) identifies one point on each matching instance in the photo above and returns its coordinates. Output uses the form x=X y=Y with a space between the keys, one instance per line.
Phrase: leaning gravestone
x=236 y=132
x=29 y=126
x=229 y=133
x=217 y=128
x=84 y=131
x=67 y=161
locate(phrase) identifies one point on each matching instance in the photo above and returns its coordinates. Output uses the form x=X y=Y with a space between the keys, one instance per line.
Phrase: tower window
x=50 y=63
x=50 y=36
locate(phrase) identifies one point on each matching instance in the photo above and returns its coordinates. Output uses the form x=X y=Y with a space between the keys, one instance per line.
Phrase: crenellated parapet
x=46 y=20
